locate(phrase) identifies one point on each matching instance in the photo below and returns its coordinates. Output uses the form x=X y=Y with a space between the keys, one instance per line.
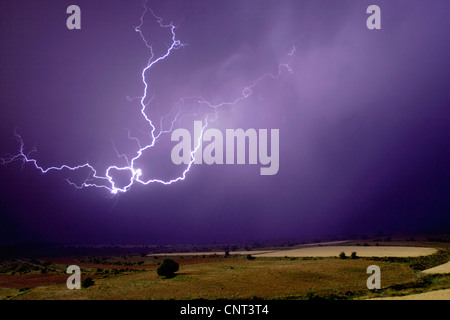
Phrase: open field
x=236 y=278
x=303 y=272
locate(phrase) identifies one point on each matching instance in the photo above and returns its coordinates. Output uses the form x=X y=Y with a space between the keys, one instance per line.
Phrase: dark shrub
x=168 y=268
x=342 y=255
x=310 y=295
x=354 y=256
x=86 y=283
x=250 y=257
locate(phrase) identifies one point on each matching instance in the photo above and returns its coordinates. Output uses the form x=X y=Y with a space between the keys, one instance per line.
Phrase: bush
x=354 y=256
x=310 y=295
x=168 y=268
x=250 y=257
x=86 y=283
x=342 y=255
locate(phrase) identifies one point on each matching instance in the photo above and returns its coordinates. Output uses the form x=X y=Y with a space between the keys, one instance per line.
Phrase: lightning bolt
x=107 y=181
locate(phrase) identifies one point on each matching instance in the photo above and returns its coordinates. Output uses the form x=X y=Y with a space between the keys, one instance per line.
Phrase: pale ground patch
x=329 y=243
x=217 y=253
x=325 y=251
x=432 y=295
x=361 y=251
x=443 y=268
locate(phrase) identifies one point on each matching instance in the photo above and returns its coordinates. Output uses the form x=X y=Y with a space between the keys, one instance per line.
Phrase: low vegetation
x=420 y=263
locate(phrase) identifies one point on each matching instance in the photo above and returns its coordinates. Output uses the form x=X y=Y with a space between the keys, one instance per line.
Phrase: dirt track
x=432 y=295
x=443 y=268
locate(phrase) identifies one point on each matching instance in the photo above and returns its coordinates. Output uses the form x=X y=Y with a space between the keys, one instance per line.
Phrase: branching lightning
x=106 y=181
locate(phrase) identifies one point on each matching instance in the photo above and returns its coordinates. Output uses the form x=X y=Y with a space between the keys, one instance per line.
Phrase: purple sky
x=363 y=119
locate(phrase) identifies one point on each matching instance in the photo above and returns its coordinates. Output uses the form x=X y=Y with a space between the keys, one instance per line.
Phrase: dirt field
x=361 y=251
x=32 y=280
x=443 y=268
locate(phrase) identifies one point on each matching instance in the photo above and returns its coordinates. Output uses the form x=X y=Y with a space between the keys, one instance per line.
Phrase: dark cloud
x=363 y=119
